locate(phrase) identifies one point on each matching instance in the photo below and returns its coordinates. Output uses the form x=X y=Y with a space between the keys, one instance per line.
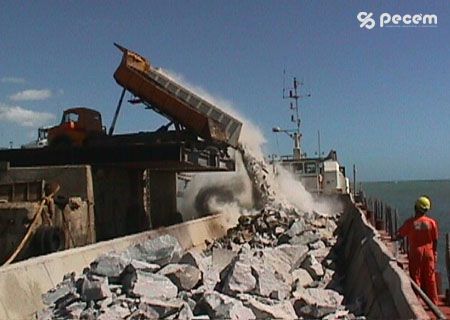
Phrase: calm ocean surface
x=403 y=194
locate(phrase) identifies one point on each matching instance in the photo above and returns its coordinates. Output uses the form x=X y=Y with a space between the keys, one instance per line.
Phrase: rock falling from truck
x=209 y=193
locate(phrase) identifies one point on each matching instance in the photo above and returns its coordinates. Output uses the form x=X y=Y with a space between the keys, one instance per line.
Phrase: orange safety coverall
x=422 y=233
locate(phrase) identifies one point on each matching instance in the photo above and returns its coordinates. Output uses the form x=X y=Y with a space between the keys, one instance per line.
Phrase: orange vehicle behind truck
x=76 y=127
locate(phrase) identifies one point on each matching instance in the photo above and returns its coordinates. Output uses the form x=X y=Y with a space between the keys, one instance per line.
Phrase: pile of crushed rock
x=274 y=264
x=278 y=262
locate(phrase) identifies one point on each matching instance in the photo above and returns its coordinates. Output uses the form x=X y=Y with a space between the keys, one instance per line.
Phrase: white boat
x=319 y=174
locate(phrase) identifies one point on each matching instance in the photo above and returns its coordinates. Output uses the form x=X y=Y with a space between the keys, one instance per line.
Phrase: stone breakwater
x=278 y=262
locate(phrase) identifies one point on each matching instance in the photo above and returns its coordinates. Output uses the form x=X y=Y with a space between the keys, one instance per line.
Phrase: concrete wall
x=22 y=283
x=373 y=278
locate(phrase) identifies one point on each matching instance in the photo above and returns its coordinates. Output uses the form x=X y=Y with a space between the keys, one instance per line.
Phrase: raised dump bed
x=154 y=88
x=372 y=277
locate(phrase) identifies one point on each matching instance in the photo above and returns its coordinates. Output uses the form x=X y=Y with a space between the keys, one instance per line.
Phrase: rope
x=31 y=228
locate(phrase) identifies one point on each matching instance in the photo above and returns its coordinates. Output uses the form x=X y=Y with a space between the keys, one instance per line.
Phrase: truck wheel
x=48 y=239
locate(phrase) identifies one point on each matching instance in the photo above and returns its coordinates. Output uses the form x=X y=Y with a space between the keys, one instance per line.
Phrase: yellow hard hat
x=423 y=204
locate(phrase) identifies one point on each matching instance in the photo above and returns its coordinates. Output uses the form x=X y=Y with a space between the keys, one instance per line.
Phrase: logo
x=418 y=20
x=366 y=20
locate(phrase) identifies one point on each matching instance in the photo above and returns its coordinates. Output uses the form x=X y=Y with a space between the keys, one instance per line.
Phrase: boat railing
x=384 y=217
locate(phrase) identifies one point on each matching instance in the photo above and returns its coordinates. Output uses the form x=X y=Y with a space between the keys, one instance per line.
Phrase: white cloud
x=24 y=117
x=28 y=95
x=12 y=80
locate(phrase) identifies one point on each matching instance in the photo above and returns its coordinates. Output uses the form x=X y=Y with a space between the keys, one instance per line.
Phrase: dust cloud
x=209 y=193
x=292 y=190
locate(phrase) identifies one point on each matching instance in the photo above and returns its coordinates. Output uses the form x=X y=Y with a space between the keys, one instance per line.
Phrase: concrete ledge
x=373 y=278
x=22 y=283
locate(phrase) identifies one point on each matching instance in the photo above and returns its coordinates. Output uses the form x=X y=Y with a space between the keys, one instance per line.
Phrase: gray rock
x=94 y=288
x=221 y=258
x=316 y=302
x=268 y=284
x=297 y=228
x=295 y=254
x=341 y=313
x=302 y=278
x=125 y=302
x=184 y=276
x=145 y=266
x=238 y=278
x=162 y=250
x=320 y=254
x=194 y=259
x=316 y=245
x=109 y=265
x=163 y=307
x=88 y=314
x=186 y=297
x=314 y=268
x=330 y=242
x=105 y=303
x=115 y=312
x=151 y=285
x=44 y=314
x=278 y=310
x=185 y=312
x=127 y=278
x=305 y=238
x=211 y=278
x=220 y=306
x=72 y=311
x=330 y=225
x=327 y=277
x=67 y=300
x=297 y=292
x=140 y=314
x=61 y=290
x=277 y=260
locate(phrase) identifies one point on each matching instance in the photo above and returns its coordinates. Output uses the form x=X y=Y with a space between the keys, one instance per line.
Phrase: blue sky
x=380 y=97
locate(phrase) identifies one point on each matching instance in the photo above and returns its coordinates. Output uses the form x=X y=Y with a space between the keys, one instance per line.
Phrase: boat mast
x=295 y=117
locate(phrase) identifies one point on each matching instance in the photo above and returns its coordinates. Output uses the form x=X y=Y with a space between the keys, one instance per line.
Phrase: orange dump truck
x=158 y=91
x=77 y=125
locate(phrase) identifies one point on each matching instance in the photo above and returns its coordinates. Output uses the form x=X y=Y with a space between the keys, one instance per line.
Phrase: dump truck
x=181 y=106
x=76 y=127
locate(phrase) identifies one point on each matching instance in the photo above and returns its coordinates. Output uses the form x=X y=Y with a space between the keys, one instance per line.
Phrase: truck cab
x=77 y=125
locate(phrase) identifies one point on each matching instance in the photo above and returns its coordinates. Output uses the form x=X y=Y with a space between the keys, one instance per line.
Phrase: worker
x=422 y=232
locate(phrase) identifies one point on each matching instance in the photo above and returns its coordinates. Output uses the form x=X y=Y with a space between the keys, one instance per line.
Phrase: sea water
x=402 y=196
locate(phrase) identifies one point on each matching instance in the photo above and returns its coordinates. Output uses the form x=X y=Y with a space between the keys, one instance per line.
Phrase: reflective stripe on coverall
x=422 y=232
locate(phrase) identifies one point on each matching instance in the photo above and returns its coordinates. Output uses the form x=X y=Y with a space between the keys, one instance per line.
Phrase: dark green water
x=403 y=194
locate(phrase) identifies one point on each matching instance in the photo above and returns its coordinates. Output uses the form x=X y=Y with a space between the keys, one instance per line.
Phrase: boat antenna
x=294 y=96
